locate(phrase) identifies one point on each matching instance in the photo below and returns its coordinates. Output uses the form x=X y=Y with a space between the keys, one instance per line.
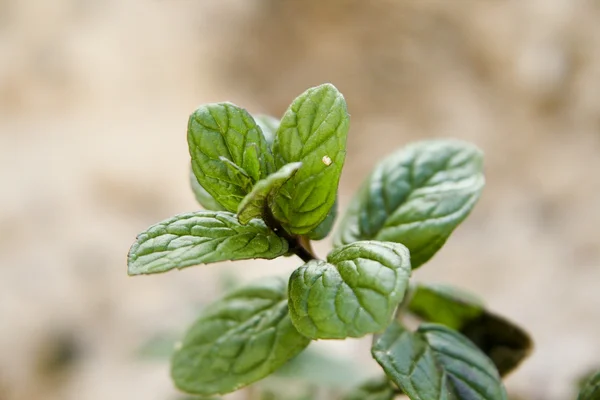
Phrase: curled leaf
x=256 y=203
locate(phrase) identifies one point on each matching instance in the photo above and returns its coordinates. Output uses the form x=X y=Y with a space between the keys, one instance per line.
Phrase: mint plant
x=269 y=187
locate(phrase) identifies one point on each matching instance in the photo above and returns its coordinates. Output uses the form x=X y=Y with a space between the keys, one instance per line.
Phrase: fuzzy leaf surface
x=256 y=203
x=221 y=134
x=436 y=362
x=313 y=131
x=240 y=339
x=416 y=197
x=353 y=293
x=201 y=237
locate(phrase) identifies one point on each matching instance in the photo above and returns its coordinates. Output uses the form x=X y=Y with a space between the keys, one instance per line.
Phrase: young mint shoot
x=268 y=188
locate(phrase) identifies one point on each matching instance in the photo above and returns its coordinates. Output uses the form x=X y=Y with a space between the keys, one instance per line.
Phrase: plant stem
x=304 y=253
x=299 y=245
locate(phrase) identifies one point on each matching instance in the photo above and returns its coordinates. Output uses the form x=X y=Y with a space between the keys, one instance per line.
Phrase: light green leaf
x=268 y=125
x=256 y=203
x=316 y=368
x=373 y=389
x=444 y=304
x=220 y=131
x=352 y=294
x=321 y=231
x=505 y=343
x=237 y=341
x=202 y=196
x=197 y=398
x=313 y=131
x=416 y=197
x=436 y=362
x=591 y=388
x=201 y=237
x=237 y=173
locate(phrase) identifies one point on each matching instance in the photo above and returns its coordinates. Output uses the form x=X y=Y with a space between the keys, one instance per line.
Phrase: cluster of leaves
x=269 y=187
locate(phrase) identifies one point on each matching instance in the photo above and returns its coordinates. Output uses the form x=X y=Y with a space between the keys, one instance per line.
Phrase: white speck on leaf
x=326 y=160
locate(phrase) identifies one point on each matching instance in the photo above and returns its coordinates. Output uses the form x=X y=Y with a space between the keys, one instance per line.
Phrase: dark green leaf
x=436 y=362
x=268 y=125
x=202 y=196
x=312 y=131
x=201 y=237
x=237 y=341
x=374 y=389
x=501 y=340
x=416 y=197
x=321 y=231
x=504 y=342
x=445 y=305
x=591 y=388
x=224 y=131
x=353 y=293
x=256 y=203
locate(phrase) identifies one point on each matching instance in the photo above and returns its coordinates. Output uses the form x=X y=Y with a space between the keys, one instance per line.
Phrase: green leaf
x=445 y=305
x=158 y=347
x=352 y=294
x=268 y=125
x=591 y=388
x=237 y=341
x=202 y=196
x=505 y=343
x=256 y=203
x=316 y=368
x=201 y=237
x=416 y=197
x=223 y=131
x=313 y=131
x=198 y=398
x=436 y=362
x=374 y=389
x=321 y=231
x=237 y=173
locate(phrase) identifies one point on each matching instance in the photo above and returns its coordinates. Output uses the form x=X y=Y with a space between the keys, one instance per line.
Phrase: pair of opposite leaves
x=416 y=197
x=294 y=178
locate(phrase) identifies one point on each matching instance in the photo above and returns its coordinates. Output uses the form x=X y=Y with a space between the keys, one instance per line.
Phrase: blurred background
x=94 y=101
